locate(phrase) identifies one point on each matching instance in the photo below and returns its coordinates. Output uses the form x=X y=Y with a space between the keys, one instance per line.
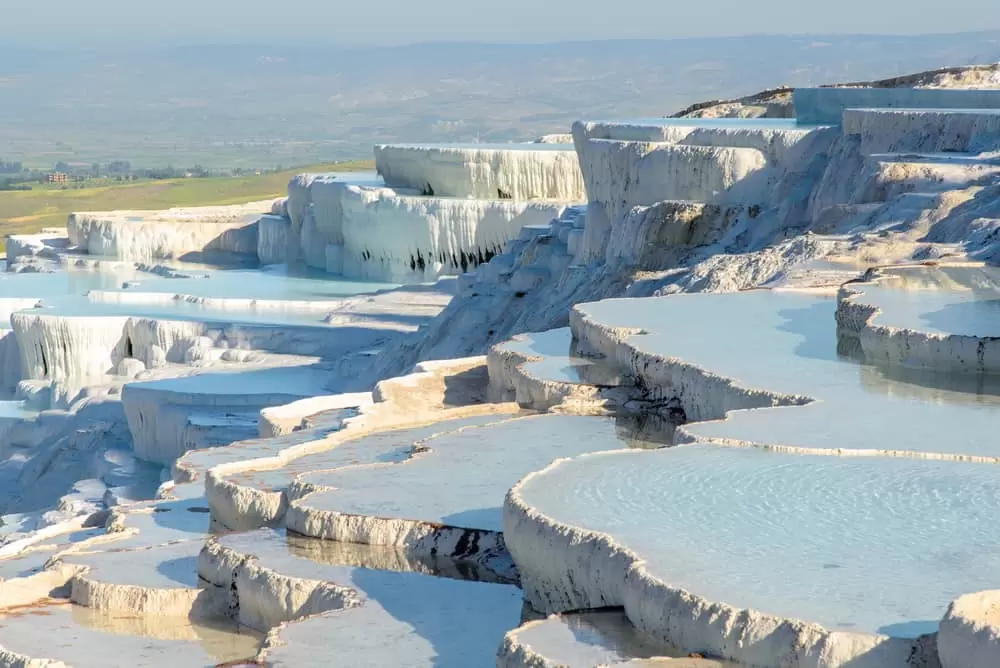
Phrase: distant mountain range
x=262 y=105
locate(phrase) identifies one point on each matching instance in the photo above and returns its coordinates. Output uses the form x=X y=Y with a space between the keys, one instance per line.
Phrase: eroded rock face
x=502 y=171
x=969 y=636
x=151 y=235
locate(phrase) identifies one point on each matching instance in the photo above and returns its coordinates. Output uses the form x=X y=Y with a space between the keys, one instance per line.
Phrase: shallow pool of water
x=786 y=342
x=283 y=294
x=87 y=638
x=270 y=283
x=463 y=476
x=855 y=543
x=406 y=618
x=560 y=361
x=590 y=639
x=939 y=300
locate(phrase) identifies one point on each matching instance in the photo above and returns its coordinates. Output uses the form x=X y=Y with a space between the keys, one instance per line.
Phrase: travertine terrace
x=708 y=391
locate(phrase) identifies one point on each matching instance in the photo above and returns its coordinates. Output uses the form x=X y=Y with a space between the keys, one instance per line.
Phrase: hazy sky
x=406 y=21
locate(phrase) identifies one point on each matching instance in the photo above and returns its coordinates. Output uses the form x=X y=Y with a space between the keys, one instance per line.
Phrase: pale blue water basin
x=405 y=618
x=271 y=283
x=463 y=476
x=65 y=293
x=181 y=311
x=591 y=639
x=300 y=381
x=559 y=362
x=786 y=342
x=16 y=410
x=382 y=447
x=62 y=283
x=853 y=543
x=939 y=300
x=199 y=461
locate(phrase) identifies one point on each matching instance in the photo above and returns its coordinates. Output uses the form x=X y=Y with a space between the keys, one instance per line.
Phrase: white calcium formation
x=390 y=473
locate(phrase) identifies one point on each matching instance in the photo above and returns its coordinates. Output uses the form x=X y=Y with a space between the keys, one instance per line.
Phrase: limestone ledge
x=924 y=130
x=137 y=296
x=511 y=381
x=969 y=635
x=488 y=171
x=622 y=175
x=516 y=652
x=261 y=597
x=435 y=391
x=404 y=238
x=883 y=344
x=166 y=417
x=148 y=235
x=315 y=215
x=702 y=394
x=778 y=143
x=56 y=347
x=565 y=568
x=282 y=420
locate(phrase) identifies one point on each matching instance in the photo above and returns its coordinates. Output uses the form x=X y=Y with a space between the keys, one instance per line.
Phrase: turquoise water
x=17 y=410
x=62 y=283
x=272 y=283
x=65 y=293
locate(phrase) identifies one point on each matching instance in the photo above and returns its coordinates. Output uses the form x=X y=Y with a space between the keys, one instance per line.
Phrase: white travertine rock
x=590 y=640
x=161 y=414
x=539 y=371
x=647 y=233
x=316 y=212
x=435 y=393
x=776 y=138
x=272 y=239
x=891 y=175
x=925 y=130
x=969 y=636
x=161 y=580
x=622 y=175
x=129 y=367
x=572 y=569
x=957 y=351
x=150 y=235
x=828 y=105
x=486 y=171
x=10 y=362
x=284 y=419
x=57 y=348
x=415 y=239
